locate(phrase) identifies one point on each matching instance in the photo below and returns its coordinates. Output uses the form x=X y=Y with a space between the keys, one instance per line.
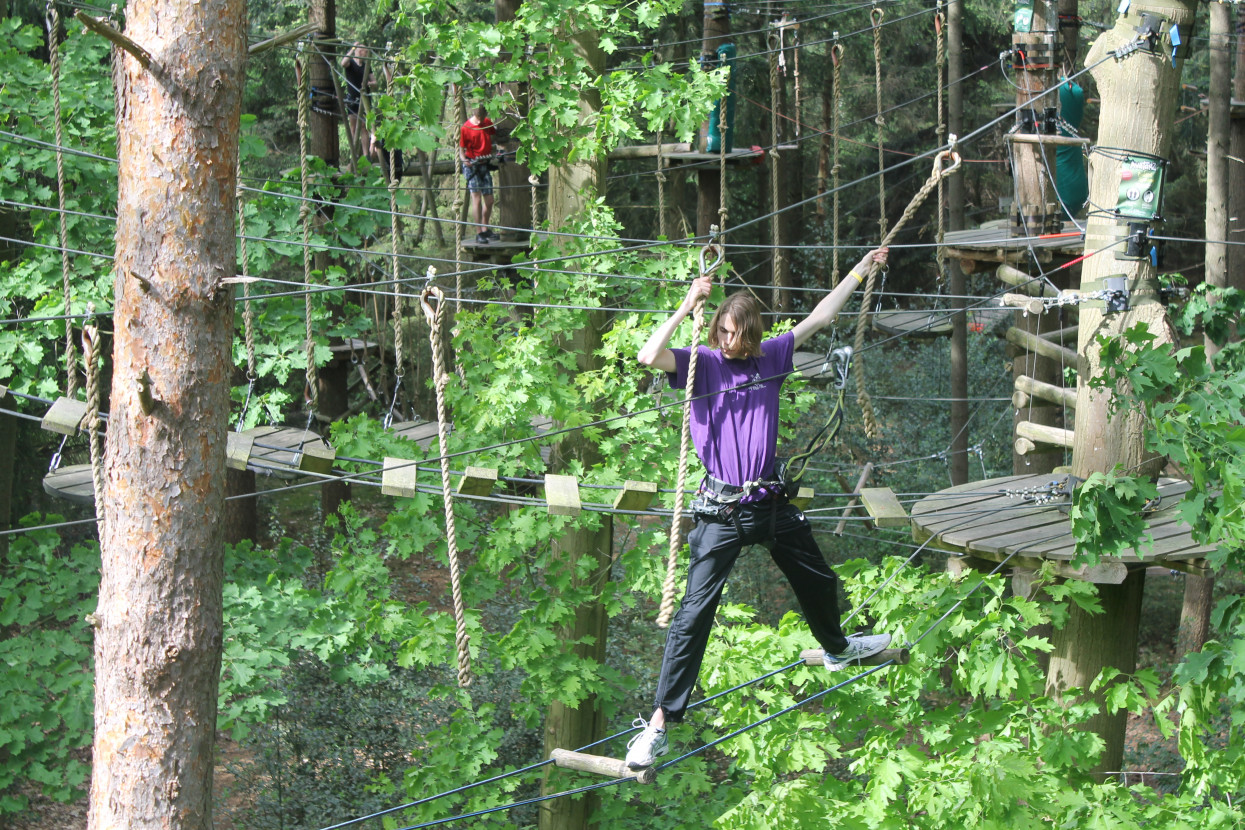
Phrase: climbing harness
x=666 y=611
x=436 y=318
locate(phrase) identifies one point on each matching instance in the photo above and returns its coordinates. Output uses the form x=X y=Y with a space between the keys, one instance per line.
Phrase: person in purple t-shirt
x=735 y=431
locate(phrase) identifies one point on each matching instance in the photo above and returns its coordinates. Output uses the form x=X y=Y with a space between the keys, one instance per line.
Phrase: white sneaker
x=644 y=749
x=859 y=646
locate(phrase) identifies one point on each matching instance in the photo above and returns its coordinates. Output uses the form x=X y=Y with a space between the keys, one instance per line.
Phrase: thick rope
x=395 y=229
x=304 y=169
x=775 y=187
x=865 y=317
x=876 y=16
x=666 y=611
x=940 y=253
x=661 y=191
x=248 y=313
x=836 y=55
x=436 y=322
x=90 y=348
x=54 y=60
x=460 y=202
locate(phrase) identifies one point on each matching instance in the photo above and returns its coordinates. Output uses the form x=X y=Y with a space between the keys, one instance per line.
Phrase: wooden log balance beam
x=1029 y=435
x=898 y=656
x=1041 y=346
x=600 y=765
x=1029 y=388
x=1023 y=281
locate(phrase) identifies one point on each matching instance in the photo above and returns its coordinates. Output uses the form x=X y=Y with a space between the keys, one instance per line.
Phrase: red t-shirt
x=475 y=140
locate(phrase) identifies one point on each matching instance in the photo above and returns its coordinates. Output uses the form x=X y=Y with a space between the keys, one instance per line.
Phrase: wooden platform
x=288 y=452
x=732 y=157
x=72 y=483
x=981 y=520
x=424 y=433
x=931 y=323
x=501 y=249
x=993 y=242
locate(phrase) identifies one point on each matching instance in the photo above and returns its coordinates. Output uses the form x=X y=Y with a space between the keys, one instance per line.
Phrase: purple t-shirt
x=735 y=428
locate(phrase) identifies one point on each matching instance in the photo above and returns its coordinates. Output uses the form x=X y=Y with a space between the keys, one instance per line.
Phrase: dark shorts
x=479 y=179
x=352 y=104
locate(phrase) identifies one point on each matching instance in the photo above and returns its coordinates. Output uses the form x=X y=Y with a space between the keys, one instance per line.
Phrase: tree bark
x=1139 y=100
x=1195 y=614
x=1236 y=169
x=158 y=641
x=1218 y=136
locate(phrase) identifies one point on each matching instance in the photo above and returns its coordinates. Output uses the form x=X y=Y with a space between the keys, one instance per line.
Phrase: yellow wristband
x=859 y=279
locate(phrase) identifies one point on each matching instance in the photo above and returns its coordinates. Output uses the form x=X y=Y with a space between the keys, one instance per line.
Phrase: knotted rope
x=90 y=349
x=436 y=318
x=836 y=56
x=661 y=191
x=460 y=203
x=940 y=31
x=54 y=61
x=865 y=317
x=248 y=313
x=666 y=611
x=304 y=212
x=876 y=16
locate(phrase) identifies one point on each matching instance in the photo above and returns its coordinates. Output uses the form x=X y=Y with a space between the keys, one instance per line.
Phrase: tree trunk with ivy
x=159 y=626
x=1139 y=95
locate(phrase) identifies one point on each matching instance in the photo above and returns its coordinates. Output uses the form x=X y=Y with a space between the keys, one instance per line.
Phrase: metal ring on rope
x=436 y=317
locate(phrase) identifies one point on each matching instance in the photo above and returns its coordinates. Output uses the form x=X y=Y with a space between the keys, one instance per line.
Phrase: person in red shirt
x=475 y=151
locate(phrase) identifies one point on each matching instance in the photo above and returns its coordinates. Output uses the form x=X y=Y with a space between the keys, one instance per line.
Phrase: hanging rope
x=940 y=31
x=248 y=313
x=460 y=203
x=661 y=191
x=666 y=611
x=865 y=317
x=795 y=52
x=436 y=319
x=876 y=16
x=775 y=223
x=836 y=57
x=90 y=349
x=54 y=62
x=304 y=214
x=395 y=229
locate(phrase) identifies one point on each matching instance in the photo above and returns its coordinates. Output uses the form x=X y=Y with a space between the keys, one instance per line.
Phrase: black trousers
x=715 y=545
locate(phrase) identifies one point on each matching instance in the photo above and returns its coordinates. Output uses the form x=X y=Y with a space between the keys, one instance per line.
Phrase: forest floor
x=1148 y=755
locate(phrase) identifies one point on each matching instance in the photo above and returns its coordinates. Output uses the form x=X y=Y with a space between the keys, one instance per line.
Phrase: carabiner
x=711 y=245
x=842 y=360
x=429 y=311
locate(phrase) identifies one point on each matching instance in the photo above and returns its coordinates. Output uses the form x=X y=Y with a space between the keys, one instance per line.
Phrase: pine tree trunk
x=158 y=643
x=1218 y=136
x=1139 y=99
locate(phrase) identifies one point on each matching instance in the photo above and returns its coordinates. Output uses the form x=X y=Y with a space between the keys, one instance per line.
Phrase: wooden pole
x=1236 y=169
x=158 y=625
x=956 y=282
x=513 y=205
x=1218 y=136
x=583 y=549
x=1139 y=95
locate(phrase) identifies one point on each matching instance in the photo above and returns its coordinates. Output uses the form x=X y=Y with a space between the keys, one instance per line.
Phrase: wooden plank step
x=931 y=323
x=562 y=495
x=884 y=507
x=398 y=477
x=65 y=416
x=636 y=495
